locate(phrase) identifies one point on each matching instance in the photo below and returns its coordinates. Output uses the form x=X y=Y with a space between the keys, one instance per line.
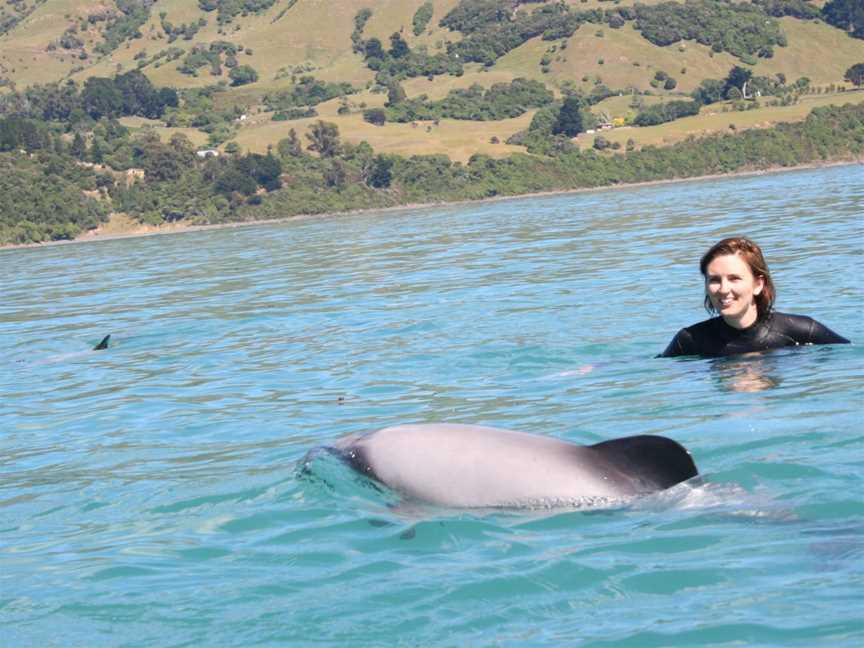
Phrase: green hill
x=50 y=40
x=405 y=77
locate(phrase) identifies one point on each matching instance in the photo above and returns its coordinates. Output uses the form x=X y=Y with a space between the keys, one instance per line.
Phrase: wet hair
x=751 y=254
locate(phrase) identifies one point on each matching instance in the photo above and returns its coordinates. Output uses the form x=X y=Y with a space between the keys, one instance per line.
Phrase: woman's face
x=732 y=289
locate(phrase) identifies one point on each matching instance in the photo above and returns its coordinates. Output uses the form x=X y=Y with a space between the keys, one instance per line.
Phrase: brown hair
x=751 y=254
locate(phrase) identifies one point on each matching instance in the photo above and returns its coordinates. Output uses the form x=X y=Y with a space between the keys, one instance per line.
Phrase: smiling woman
x=738 y=286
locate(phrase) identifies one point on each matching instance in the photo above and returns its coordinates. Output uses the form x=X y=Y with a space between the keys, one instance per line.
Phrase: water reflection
x=751 y=372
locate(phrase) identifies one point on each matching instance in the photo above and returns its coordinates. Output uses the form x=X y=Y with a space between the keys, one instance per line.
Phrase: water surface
x=150 y=493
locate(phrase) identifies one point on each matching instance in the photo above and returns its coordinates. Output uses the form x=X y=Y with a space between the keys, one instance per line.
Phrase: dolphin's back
x=477 y=466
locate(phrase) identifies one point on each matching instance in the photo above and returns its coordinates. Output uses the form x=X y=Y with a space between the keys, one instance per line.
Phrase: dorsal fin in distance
x=657 y=461
x=103 y=344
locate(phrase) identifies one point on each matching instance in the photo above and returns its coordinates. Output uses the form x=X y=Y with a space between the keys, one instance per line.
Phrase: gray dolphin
x=478 y=467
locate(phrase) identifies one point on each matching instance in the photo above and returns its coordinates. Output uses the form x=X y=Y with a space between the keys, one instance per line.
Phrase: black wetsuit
x=714 y=337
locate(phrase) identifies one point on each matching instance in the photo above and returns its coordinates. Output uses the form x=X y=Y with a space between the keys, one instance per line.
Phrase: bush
x=380 y=172
x=375 y=116
x=601 y=143
x=243 y=75
x=294 y=113
x=709 y=91
x=422 y=17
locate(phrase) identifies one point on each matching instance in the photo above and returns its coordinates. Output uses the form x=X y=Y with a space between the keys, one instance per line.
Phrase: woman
x=739 y=288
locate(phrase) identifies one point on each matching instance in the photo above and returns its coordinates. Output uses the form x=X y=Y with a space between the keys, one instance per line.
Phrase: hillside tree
x=102 y=98
x=736 y=78
x=324 y=139
x=395 y=93
x=398 y=47
x=379 y=172
x=78 y=149
x=290 y=146
x=569 y=121
x=855 y=74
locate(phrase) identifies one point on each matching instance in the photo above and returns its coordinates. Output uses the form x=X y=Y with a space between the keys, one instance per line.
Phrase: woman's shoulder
x=706 y=328
x=804 y=329
x=789 y=318
x=691 y=340
x=789 y=324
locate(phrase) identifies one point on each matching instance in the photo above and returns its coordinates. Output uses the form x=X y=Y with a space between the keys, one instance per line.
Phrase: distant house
x=205 y=153
x=605 y=122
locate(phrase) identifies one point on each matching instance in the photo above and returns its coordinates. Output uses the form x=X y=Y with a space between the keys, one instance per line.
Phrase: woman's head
x=747 y=251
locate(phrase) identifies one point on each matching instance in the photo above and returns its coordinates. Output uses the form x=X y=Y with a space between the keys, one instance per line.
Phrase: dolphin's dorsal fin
x=654 y=461
x=103 y=344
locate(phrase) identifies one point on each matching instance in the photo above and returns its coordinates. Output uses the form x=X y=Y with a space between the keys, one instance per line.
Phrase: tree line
x=499 y=101
x=323 y=173
x=126 y=94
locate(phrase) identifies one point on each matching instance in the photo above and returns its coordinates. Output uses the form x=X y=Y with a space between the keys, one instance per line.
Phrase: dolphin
x=473 y=466
x=103 y=344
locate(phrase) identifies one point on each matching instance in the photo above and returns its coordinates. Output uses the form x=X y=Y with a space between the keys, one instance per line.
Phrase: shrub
x=601 y=143
x=243 y=75
x=294 y=113
x=375 y=116
x=422 y=17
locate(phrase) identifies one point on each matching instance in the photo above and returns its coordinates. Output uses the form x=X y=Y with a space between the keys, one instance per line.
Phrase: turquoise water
x=151 y=494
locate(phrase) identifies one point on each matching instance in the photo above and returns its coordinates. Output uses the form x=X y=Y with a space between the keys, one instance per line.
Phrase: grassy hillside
x=296 y=37
x=622 y=58
x=458 y=139
x=718 y=119
x=816 y=50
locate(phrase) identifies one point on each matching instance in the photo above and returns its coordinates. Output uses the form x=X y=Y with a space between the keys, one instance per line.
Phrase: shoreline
x=142 y=230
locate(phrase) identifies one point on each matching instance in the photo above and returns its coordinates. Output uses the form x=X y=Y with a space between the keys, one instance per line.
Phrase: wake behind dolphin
x=473 y=466
x=66 y=357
